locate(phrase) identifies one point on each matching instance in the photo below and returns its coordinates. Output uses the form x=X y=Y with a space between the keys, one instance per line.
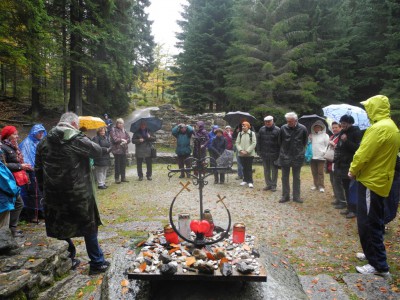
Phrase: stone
x=165 y=258
x=369 y=287
x=12 y=263
x=199 y=254
x=226 y=269
x=244 y=268
x=322 y=287
x=255 y=253
x=13 y=281
x=168 y=269
x=7 y=242
x=205 y=268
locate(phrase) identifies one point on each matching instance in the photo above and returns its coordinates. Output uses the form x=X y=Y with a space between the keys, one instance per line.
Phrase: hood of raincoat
x=29 y=144
x=374 y=162
x=63 y=133
x=377 y=108
x=318 y=123
x=200 y=125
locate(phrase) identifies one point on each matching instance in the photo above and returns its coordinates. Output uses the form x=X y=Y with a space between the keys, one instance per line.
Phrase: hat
x=246 y=123
x=269 y=118
x=218 y=130
x=347 y=118
x=227 y=127
x=7 y=131
x=106 y=115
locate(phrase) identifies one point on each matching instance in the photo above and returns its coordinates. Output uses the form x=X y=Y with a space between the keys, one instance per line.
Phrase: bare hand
x=141 y=140
x=26 y=167
x=351 y=176
x=343 y=137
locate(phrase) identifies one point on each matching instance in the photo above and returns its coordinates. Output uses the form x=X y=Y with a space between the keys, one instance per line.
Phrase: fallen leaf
x=80 y=294
x=174 y=245
x=173 y=250
x=333 y=289
x=99 y=281
x=322 y=290
x=140 y=244
x=315 y=281
x=124 y=290
x=31 y=260
x=190 y=261
x=274 y=265
x=210 y=256
x=142 y=267
x=383 y=289
x=88 y=283
x=28 y=244
x=246 y=247
x=125 y=282
x=148 y=254
x=130 y=252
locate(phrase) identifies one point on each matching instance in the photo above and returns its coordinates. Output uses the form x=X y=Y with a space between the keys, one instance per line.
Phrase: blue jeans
x=93 y=250
x=371 y=227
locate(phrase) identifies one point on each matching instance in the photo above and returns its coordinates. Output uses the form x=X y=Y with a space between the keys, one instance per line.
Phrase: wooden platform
x=191 y=276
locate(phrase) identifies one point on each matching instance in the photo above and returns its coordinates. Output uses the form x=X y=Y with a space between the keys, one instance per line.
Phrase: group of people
x=58 y=164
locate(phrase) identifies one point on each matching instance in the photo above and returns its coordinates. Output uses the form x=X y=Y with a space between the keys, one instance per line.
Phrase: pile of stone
x=158 y=257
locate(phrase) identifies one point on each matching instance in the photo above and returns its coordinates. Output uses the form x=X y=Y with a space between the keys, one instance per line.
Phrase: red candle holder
x=239 y=232
x=170 y=235
x=201 y=227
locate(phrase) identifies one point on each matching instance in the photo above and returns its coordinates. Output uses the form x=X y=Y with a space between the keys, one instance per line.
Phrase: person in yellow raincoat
x=373 y=167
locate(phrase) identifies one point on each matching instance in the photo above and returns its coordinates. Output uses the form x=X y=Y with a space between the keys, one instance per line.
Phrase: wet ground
x=312 y=237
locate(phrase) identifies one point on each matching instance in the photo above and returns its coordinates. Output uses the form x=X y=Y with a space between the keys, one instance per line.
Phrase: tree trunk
x=3 y=80
x=64 y=51
x=35 y=93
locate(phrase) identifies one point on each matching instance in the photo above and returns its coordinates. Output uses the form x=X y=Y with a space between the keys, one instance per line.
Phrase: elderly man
x=64 y=175
x=292 y=139
x=373 y=167
x=268 y=150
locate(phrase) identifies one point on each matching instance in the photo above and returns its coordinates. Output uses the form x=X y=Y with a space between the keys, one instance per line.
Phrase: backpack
x=251 y=137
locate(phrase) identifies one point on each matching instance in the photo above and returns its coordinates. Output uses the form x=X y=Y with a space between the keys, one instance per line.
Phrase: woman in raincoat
x=33 y=209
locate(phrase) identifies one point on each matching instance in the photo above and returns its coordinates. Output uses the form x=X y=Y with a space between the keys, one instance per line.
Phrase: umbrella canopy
x=152 y=123
x=308 y=120
x=235 y=118
x=336 y=111
x=90 y=122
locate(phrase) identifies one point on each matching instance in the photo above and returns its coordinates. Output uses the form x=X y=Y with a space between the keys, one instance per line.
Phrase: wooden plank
x=191 y=276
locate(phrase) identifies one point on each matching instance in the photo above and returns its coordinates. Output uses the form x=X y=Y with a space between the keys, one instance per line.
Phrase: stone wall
x=172 y=117
x=26 y=270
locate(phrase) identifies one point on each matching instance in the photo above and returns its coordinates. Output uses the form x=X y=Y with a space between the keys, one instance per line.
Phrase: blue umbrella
x=152 y=124
x=336 y=111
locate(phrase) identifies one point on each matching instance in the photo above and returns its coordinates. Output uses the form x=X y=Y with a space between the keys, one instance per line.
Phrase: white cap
x=269 y=118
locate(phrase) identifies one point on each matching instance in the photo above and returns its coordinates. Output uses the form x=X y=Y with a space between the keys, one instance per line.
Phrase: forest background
x=261 y=56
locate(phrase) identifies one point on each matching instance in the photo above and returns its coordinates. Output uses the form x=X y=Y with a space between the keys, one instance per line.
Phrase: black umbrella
x=235 y=118
x=152 y=124
x=309 y=120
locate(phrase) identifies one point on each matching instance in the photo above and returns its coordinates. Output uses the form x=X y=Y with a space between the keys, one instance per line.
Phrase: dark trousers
x=14 y=214
x=296 y=182
x=270 y=172
x=149 y=162
x=239 y=166
x=370 y=221
x=120 y=166
x=338 y=189
x=351 y=206
x=247 y=163
x=182 y=162
x=392 y=201
x=220 y=179
x=92 y=248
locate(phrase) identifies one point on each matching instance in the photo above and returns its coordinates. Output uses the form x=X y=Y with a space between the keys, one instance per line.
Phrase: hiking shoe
x=298 y=200
x=238 y=177
x=267 y=188
x=149 y=178
x=344 y=212
x=124 y=180
x=182 y=176
x=361 y=256
x=334 y=203
x=243 y=183
x=75 y=263
x=313 y=188
x=117 y=181
x=368 y=269
x=101 y=187
x=251 y=185
x=351 y=215
x=273 y=189
x=140 y=178
x=99 y=269
x=322 y=190
x=283 y=200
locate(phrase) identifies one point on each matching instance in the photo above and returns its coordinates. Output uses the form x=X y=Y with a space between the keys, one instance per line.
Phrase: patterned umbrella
x=336 y=111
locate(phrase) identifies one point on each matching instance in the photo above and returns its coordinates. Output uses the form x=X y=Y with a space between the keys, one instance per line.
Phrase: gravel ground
x=313 y=236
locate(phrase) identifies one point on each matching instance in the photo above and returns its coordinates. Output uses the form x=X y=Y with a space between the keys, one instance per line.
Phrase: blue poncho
x=28 y=145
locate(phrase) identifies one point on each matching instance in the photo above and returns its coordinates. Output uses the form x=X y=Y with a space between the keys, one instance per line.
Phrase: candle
x=239 y=232
x=170 y=235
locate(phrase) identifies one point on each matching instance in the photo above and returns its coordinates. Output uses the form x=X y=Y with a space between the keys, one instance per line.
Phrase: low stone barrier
x=32 y=267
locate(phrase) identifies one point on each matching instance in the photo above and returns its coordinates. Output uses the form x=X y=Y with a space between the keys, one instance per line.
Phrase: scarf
x=14 y=145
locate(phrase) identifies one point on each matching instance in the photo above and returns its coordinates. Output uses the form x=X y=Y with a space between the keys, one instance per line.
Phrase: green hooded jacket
x=373 y=163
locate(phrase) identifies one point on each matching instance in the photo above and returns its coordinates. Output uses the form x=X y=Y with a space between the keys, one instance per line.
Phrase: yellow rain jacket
x=373 y=163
